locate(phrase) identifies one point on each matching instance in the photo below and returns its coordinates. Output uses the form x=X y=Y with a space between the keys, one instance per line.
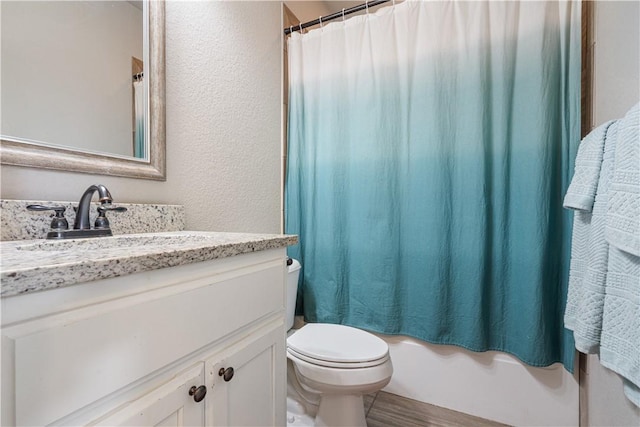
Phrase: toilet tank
x=292 y=292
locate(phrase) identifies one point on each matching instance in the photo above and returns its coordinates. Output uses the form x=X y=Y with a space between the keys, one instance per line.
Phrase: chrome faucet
x=82 y=214
x=82 y=224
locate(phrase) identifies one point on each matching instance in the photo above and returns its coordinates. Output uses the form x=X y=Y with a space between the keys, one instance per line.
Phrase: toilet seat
x=327 y=378
x=292 y=354
x=337 y=346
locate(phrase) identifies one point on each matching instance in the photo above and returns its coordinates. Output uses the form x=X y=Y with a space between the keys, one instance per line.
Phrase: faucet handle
x=59 y=222
x=101 y=220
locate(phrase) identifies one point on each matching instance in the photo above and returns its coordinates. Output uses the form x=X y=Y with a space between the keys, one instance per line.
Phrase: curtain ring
x=343 y=14
x=366 y=3
x=290 y=29
x=320 y=19
x=301 y=28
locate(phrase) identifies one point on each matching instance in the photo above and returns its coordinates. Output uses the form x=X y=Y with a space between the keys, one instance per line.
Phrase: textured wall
x=616 y=89
x=224 y=106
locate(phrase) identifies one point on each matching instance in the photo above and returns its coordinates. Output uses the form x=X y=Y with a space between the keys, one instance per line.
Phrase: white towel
x=603 y=306
x=620 y=339
x=582 y=190
x=577 y=267
x=623 y=213
x=580 y=196
x=589 y=256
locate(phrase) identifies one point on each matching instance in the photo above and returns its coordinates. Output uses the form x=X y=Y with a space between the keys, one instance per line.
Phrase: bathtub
x=491 y=385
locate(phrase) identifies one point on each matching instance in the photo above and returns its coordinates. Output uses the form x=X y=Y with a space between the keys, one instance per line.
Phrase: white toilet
x=330 y=367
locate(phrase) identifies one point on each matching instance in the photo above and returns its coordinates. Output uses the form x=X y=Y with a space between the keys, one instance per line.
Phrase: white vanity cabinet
x=141 y=349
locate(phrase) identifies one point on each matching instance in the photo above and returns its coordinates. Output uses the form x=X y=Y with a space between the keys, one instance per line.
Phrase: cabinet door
x=255 y=394
x=167 y=405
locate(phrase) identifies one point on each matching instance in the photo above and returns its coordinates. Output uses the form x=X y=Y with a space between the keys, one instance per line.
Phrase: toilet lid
x=337 y=343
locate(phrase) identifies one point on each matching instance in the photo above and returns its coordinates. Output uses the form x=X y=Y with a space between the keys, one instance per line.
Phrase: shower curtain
x=429 y=149
x=138 y=138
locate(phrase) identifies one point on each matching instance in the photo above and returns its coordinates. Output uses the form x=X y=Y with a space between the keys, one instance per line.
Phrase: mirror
x=110 y=123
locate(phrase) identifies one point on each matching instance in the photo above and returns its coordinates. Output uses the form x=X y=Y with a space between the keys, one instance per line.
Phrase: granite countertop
x=36 y=265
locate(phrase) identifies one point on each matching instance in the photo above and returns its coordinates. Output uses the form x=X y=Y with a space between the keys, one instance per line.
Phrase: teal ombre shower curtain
x=430 y=146
x=139 y=114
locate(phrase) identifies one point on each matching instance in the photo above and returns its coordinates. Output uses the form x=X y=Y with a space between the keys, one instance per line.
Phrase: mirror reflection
x=73 y=75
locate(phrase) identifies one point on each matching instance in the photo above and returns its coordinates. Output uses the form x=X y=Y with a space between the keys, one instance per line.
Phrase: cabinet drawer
x=69 y=360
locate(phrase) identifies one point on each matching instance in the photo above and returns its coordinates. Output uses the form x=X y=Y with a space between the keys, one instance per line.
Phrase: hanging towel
x=623 y=213
x=580 y=196
x=620 y=341
x=582 y=190
x=603 y=306
x=590 y=253
x=578 y=266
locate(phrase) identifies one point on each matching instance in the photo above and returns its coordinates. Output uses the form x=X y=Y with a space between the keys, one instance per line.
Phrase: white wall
x=616 y=89
x=307 y=10
x=616 y=59
x=310 y=10
x=223 y=123
x=64 y=89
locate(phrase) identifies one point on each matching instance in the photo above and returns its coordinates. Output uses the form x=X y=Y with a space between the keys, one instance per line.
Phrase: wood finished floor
x=389 y=410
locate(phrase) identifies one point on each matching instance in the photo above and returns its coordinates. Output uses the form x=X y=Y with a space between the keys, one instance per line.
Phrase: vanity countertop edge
x=35 y=265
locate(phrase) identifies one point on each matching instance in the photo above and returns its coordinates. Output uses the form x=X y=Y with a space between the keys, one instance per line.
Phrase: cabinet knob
x=227 y=374
x=198 y=393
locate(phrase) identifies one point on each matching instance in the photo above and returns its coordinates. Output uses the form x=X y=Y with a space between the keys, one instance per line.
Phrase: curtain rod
x=333 y=16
